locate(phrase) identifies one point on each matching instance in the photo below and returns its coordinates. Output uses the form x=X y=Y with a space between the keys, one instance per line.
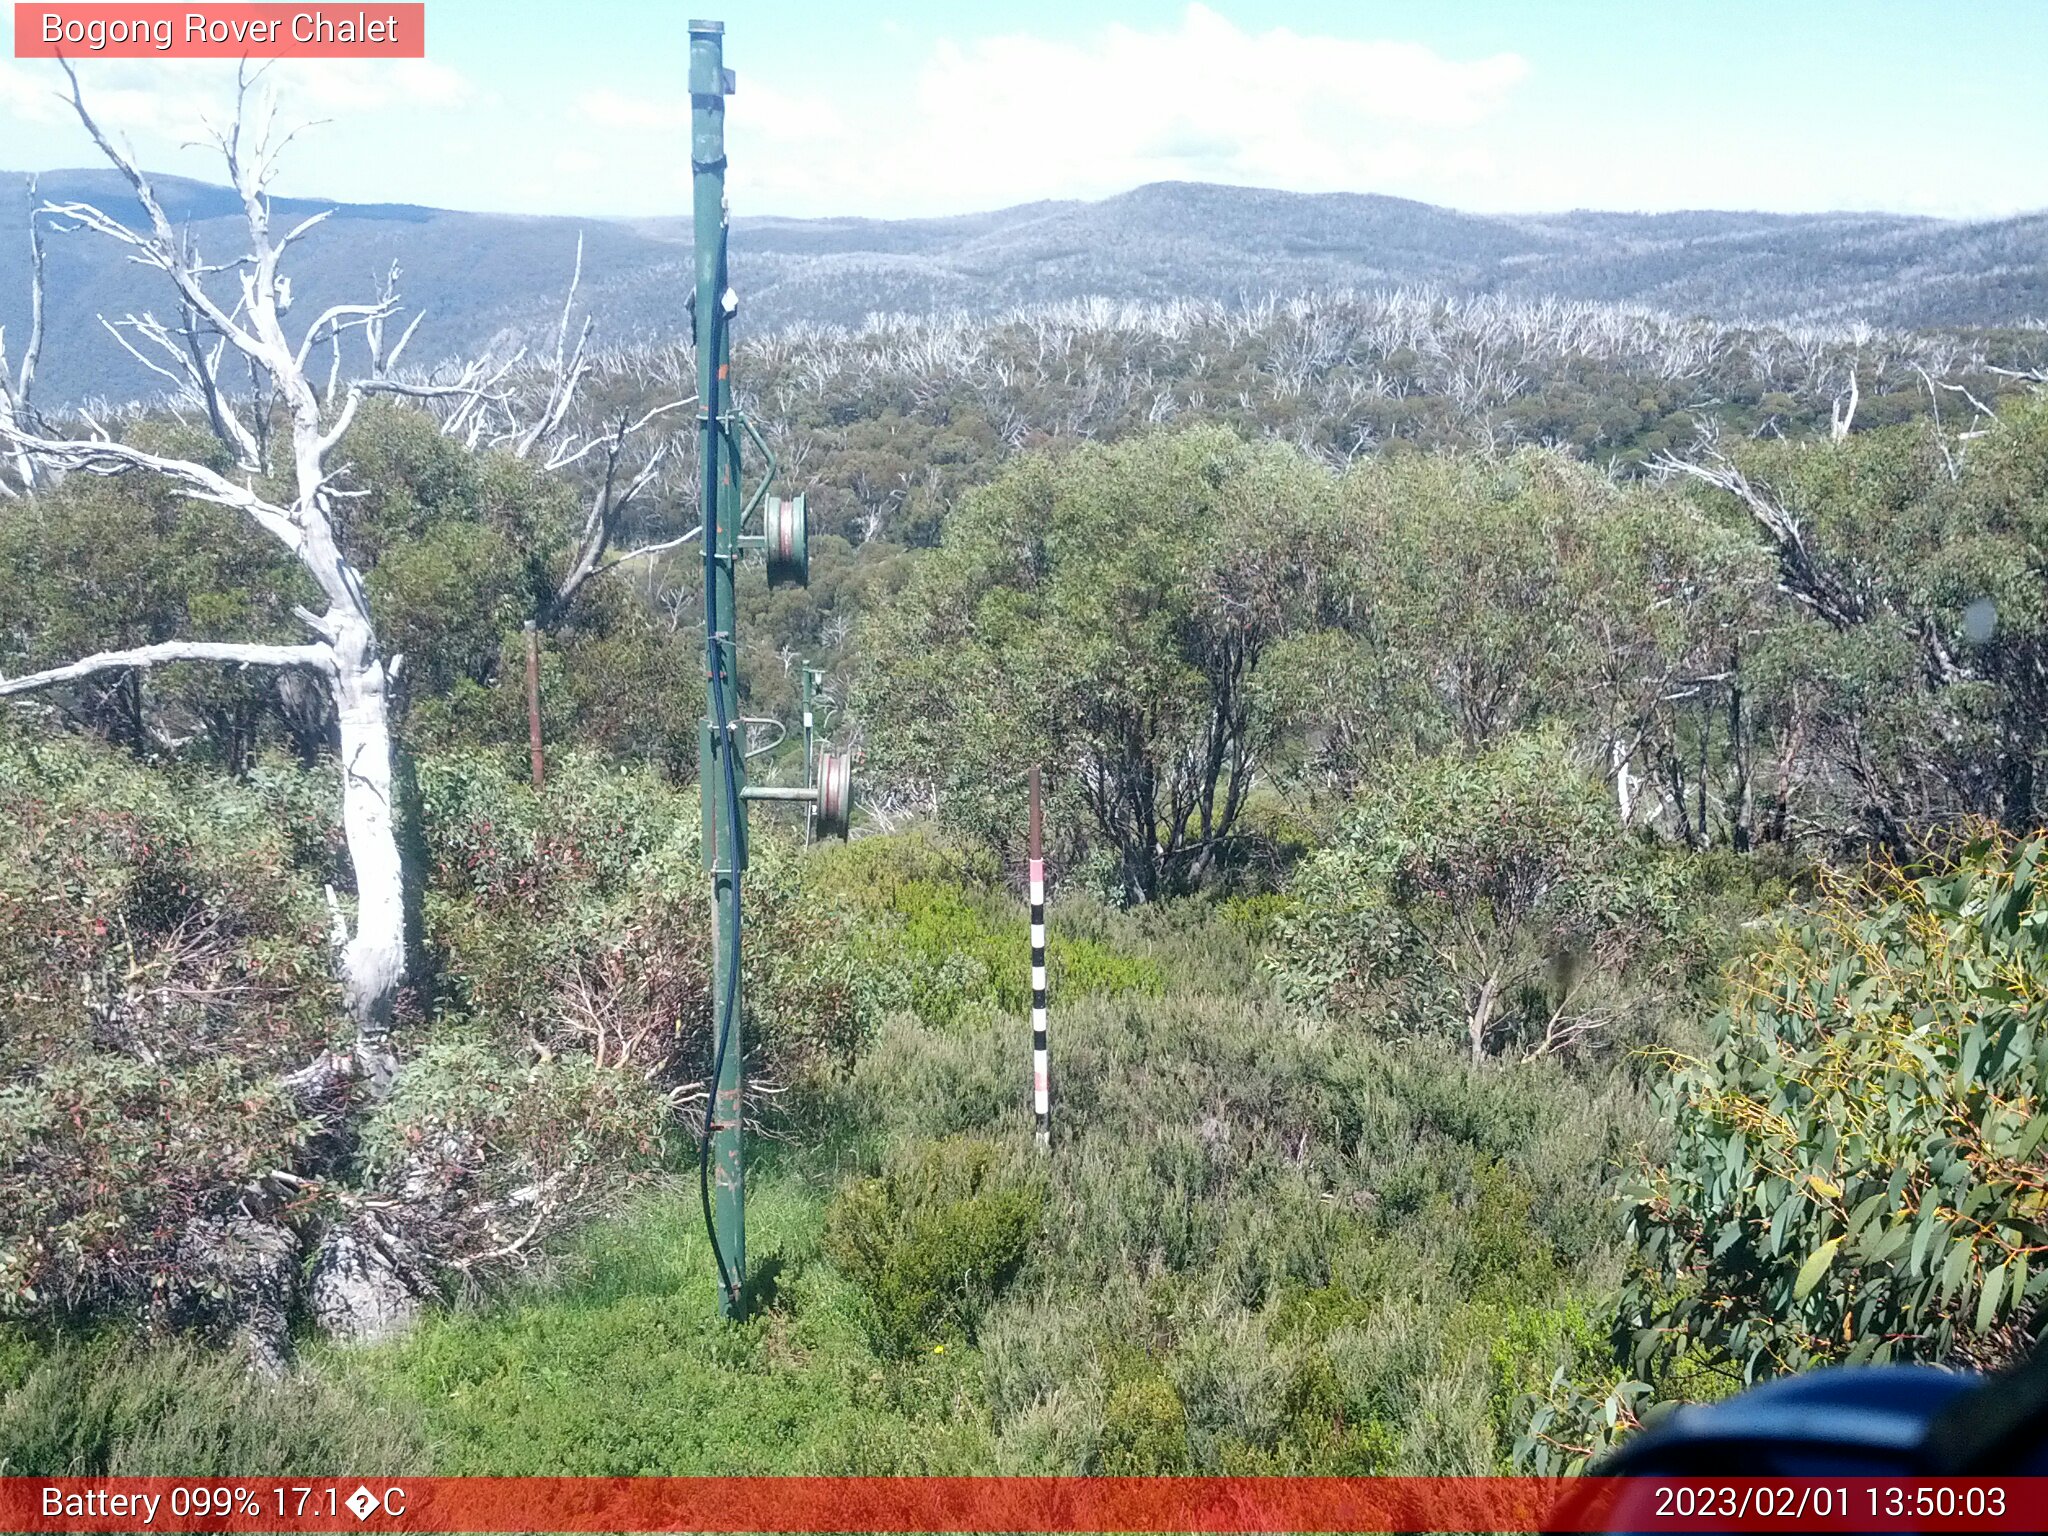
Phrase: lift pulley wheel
x=835 y=795
x=786 y=535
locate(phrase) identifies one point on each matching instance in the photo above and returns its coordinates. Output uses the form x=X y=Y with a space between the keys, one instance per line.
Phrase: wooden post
x=1041 y=1055
x=533 y=704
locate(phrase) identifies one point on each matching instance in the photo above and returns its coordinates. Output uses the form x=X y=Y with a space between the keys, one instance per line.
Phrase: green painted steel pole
x=811 y=676
x=721 y=766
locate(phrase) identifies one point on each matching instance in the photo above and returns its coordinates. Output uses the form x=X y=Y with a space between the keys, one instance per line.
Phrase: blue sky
x=916 y=107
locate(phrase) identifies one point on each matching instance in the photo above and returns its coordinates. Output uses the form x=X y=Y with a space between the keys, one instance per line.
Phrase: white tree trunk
x=1624 y=781
x=373 y=961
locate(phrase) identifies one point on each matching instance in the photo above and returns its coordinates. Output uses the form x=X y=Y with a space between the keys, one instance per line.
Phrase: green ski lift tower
x=722 y=750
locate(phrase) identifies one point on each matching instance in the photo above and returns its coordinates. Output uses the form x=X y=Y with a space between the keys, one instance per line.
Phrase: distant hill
x=486 y=277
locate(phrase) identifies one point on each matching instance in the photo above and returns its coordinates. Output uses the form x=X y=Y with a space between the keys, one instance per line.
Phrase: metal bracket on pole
x=812 y=676
x=767 y=474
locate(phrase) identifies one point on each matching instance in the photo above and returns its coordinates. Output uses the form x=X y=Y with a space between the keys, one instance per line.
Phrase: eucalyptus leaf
x=1816 y=1265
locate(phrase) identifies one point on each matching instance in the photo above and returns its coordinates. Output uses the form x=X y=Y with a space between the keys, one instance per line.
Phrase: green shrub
x=937 y=937
x=163 y=957
x=109 y=1408
x=109 y=562
x=1144 y=1430
x=1495 y=899
x=1259 y=917
x=492 y=1147
x=944 y=951
x=575 y=920
x=869 y=871
x=1322 y=1431
x=1238 y=1194
x=1105 y=607
x=933 y=1241
x=1855 y=1175
x=1857 y=1172
x=1269 y=839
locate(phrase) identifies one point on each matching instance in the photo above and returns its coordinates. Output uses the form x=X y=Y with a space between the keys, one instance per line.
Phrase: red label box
x=386 y=1505
x=114 y=31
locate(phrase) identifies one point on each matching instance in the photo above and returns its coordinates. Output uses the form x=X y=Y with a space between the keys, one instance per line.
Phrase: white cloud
x=768 y=114
x=941 y=126
x=1017 y=117
x=775 y=117
x=968 y=124
x=174 y=101
x=27 y=95
x=374 y=85
x=607 y=108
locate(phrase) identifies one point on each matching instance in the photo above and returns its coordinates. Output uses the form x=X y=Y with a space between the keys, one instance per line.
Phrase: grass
x=1264 y=1249
x=619 y=1365
x=1262 y=1245
x=106 y=1406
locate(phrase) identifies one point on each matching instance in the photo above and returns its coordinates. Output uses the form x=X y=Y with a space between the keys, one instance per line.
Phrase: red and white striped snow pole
x=1041 y=1056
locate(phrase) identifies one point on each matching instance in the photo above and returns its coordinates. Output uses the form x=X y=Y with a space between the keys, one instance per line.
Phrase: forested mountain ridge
x=493 y=277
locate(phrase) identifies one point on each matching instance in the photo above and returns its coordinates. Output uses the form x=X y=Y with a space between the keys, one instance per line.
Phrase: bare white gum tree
x=282 y=402
x=17 y=385
x=280 y=428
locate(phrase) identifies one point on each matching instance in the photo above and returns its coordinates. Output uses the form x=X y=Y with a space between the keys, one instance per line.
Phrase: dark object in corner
x=1861 y=1421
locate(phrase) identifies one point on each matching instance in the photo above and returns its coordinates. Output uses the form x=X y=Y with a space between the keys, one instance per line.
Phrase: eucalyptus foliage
x=1103 y=611
x=1858 y=1172
x=1495 y=897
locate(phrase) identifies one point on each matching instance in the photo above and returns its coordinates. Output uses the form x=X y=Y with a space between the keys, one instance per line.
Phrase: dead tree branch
x=17 y=389
x=1801 y=575
x=144 y=657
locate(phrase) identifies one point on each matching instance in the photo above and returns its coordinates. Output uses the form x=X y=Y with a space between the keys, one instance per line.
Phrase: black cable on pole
x=728 y=1004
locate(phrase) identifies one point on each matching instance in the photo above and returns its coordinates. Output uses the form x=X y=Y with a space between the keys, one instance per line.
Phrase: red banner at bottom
x=1063 y=1504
